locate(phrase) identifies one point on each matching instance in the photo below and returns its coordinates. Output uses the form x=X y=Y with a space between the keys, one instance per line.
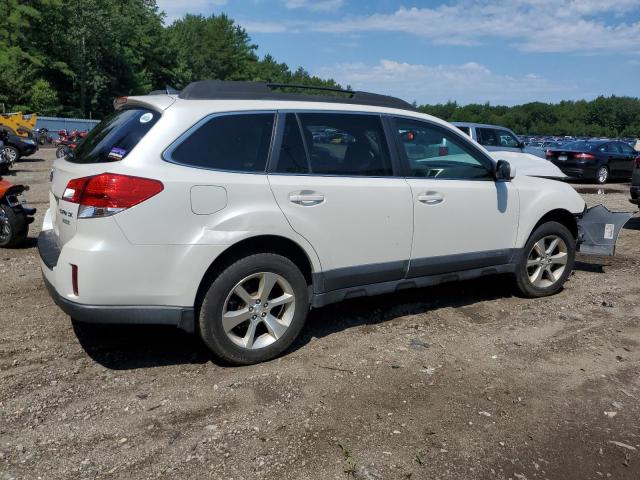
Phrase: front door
x=463 y=218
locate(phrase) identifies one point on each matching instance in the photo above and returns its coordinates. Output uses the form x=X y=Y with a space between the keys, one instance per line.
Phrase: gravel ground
x=461 y=381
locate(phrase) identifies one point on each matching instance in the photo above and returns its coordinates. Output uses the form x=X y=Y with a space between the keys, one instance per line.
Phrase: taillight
x=548 y=154
x=109 y=193
x=584 y=156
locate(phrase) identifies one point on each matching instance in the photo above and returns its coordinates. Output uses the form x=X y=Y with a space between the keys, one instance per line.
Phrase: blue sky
x=501 y=51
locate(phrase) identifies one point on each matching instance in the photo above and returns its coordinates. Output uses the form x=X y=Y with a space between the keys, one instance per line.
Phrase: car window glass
x=626 y=149
x=237 y=142
x=113 y=138
x=610 y=148
x=346 y=144
x=434 y=152
x=293 y=158
x=487 y=137
x=506 y=139
x=465 y=130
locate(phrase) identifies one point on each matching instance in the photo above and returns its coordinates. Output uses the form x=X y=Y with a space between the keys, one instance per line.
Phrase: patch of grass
x=350 y=466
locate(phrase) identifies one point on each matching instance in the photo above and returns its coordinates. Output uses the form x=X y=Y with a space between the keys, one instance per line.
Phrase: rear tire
x=547 y=261
x=602 y=175
x=13 y=228
x=61 y=151
x=254 y=309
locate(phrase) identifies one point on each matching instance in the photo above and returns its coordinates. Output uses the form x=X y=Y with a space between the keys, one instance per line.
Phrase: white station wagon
x=232 y=208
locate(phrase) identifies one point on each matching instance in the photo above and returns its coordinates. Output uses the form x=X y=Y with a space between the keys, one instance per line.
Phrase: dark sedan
x=635 y=183
x=17 y=147
x=594 y=160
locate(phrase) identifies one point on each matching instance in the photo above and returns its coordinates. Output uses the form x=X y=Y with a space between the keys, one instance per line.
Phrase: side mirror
x=504 y=171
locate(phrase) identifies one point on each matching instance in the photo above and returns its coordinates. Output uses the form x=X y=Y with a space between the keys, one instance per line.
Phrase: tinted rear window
x=580 y=146
x=234 y=142
x=113 y=138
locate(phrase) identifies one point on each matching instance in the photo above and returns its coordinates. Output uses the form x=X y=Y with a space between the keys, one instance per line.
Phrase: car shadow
x=30 y=160
x=127 y=347
x=588 y=267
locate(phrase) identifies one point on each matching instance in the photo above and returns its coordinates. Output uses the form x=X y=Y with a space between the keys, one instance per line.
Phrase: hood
x=530 y=165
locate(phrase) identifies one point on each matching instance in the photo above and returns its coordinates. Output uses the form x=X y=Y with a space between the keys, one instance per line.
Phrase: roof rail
x=239 y=90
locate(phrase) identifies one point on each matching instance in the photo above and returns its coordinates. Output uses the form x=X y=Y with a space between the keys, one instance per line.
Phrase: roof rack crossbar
x=246 y=90
x=310 y=87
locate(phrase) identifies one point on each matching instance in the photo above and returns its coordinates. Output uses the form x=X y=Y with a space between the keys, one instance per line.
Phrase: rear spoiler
x=598 y=230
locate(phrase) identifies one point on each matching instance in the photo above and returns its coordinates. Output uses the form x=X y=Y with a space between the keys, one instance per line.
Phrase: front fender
x=598 y=230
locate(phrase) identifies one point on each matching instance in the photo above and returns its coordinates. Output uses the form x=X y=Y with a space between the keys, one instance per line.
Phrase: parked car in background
x=594 y=160
x=492 y=137
x=635 y=182
x=17 y=147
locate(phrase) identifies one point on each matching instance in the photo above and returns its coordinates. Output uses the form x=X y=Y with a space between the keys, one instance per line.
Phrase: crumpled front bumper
x=598 y=230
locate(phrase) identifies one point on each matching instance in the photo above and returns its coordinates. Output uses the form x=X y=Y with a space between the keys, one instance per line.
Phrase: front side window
x=113 y=138
x=234 y=142
x=346 y=144
x=506 y=139
x=626 y=149
x=434 y=152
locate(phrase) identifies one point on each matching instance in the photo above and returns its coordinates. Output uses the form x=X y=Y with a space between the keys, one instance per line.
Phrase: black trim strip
x=421 y=267
x=181 y=317
x=360 y=275
x=48 y=248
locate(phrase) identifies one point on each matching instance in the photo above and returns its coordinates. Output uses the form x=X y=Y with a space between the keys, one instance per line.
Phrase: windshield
x=113 y=138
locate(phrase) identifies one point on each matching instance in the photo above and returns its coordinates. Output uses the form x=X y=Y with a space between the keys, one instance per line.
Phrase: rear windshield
x=580 y=146
x=113 y=138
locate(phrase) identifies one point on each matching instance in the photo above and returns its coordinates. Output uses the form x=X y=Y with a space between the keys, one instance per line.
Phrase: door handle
x=430 y=198
x=306 y=198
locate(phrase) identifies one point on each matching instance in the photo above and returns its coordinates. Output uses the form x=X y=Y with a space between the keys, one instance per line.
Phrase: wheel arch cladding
x=561 y=216
x=259 y=244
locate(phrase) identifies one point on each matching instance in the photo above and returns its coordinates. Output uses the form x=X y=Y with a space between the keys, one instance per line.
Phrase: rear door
x=332 y=176
x=110 y=141
x=629 y=156
x=614 y=157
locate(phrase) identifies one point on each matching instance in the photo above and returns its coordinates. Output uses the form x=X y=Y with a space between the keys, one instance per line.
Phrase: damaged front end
x=598 y=230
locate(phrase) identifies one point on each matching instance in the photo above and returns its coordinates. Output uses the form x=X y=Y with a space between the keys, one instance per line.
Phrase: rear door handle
x=306 y=198
x=430 y=198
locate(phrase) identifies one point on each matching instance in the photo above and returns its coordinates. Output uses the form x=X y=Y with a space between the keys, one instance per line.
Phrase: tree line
x=603 y=117
x=73 y=58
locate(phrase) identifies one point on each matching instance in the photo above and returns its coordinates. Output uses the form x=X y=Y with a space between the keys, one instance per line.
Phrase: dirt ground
x=461 y=381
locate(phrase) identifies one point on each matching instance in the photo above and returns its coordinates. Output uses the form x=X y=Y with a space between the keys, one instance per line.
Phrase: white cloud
x=531 y=25
x=465 y=83
x=176 y=9
x=314 y=5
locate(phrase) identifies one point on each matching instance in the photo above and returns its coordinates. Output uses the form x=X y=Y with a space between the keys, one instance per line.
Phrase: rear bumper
x=577 y=171
x=181 y=317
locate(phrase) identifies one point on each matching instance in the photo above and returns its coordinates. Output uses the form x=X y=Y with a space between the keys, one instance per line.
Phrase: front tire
x=547 y=260
x=13 y=228
x=61 y=151
x=12 y=153
x=254 y=309
x=602 y=175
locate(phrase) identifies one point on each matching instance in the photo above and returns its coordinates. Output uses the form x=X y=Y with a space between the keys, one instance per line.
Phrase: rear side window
x=235 y=142
x=113 y=138
x=610 y=148
x=346 y=144
x=465 y=130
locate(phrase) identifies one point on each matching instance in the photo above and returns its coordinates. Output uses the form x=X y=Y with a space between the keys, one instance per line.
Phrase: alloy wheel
x=11 y=154
x=547 y=261
x=258 y=310
x=603 y=175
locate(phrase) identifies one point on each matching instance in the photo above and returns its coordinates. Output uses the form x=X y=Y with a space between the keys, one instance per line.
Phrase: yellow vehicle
x=18 y=123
